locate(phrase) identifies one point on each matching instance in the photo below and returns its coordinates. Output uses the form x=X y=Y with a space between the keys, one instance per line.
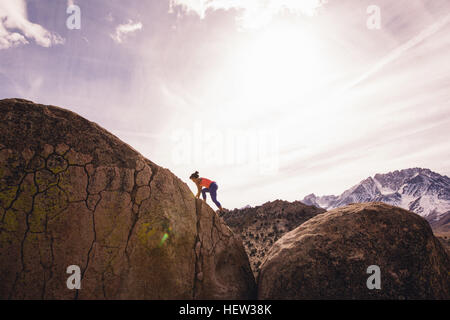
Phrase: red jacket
x=205 y=182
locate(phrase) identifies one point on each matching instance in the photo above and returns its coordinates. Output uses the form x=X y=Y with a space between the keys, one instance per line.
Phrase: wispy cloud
x=255 y=13
x=124 y=30
x=16 y=29
x=397 y=53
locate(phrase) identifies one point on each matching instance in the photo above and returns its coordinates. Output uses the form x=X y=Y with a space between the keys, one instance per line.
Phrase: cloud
x=399 y=51
x=16 y=29
x=255 y=13
x=123 y=30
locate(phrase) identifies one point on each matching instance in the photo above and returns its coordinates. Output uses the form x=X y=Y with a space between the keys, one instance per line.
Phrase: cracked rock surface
x=327 y=257
x=72 y=193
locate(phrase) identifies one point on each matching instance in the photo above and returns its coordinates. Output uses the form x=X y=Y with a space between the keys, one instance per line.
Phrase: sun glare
x=279 y=65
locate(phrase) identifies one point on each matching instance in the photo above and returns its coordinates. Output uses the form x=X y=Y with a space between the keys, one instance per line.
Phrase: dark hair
x=194 y=175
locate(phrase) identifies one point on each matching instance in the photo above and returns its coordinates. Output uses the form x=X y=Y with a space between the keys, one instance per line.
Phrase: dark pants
x=213 y=192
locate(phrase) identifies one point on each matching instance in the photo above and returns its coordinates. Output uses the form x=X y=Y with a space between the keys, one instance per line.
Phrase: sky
x=273 y=99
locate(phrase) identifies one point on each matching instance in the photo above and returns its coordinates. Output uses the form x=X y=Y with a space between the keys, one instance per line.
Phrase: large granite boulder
x=328 y=257
x=71 y=193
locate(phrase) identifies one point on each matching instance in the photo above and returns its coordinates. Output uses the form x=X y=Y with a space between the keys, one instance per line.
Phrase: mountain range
x=422 y=191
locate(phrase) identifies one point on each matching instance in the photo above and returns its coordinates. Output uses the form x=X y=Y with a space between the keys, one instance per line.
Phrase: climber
x=209 y=186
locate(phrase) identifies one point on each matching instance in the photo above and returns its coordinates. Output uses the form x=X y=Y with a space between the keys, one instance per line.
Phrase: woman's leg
x=213 y=192
x=204 y=191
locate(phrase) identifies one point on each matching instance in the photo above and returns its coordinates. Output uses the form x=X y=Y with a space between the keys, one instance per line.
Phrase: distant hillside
x=441 y=229
x=261 y=226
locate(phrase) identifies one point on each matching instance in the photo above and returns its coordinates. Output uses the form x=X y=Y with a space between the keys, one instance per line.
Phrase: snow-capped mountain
x=422 y=191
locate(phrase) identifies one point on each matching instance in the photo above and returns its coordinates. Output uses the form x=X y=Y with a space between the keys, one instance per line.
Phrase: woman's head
x=194 y=176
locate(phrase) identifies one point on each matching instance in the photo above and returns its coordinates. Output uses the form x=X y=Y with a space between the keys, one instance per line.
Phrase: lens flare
x=163 y=239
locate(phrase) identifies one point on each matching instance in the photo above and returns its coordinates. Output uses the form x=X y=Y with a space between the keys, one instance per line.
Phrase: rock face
x=73 y=194
x=327 y=257
x=260 y=227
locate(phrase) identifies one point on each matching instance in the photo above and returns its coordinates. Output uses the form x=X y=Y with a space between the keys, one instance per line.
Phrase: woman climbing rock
x=208 y=186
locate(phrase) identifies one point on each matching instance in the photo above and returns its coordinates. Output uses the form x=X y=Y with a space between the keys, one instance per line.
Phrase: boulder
x=328 y=257
x=72 y=193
